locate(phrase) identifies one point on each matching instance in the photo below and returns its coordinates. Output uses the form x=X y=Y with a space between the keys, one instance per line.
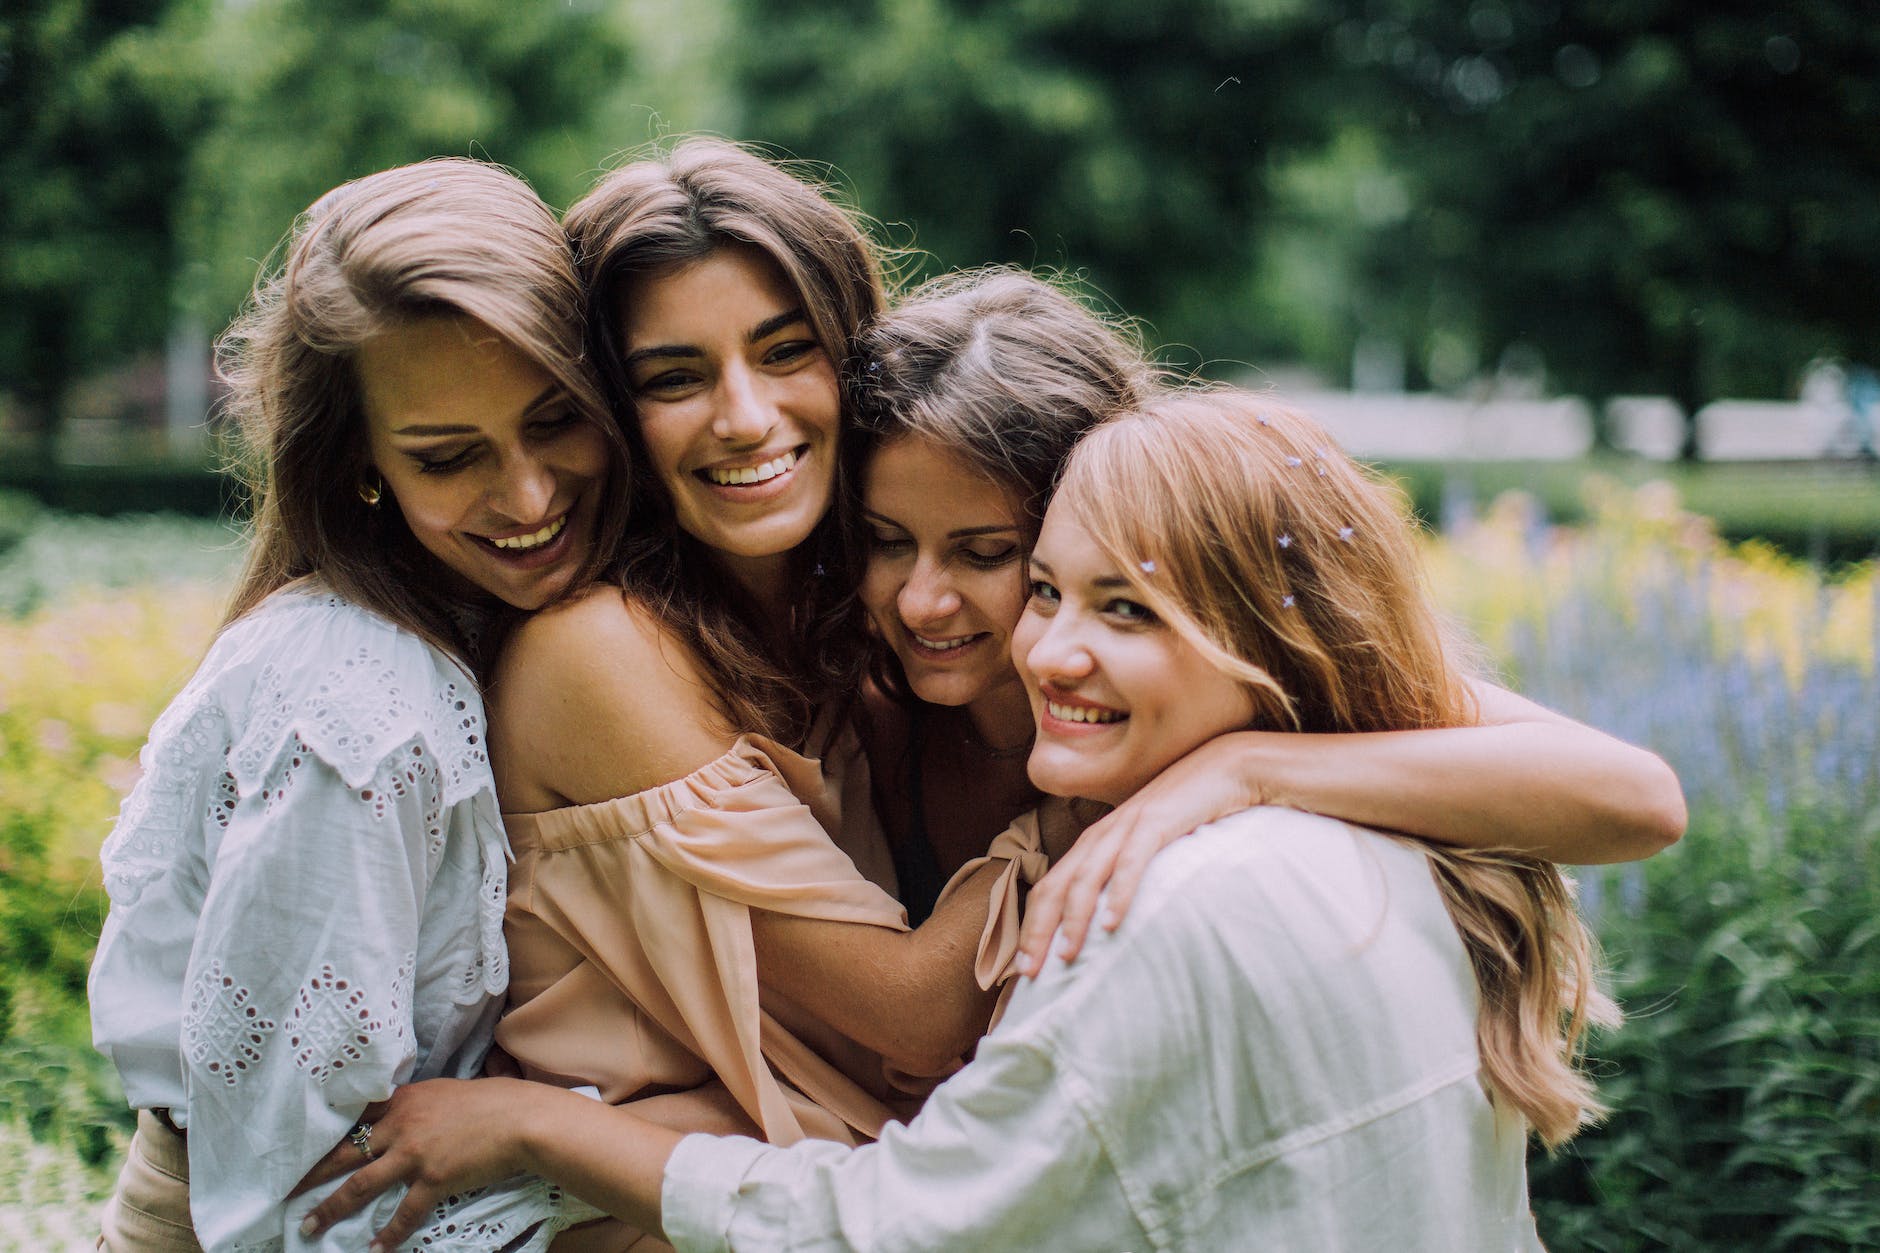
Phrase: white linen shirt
x=307 y=889
x=1276 y=1050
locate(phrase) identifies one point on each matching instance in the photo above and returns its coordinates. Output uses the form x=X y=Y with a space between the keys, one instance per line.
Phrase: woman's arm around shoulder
x=1524 y=778
x=595 y=699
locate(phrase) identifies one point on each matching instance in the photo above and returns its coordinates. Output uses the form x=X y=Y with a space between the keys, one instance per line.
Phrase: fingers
x=354 y=1195
x=1082 y=887
x=413 y=1210
x=339 y=1159
x=1132 y=862
x=1043 y=908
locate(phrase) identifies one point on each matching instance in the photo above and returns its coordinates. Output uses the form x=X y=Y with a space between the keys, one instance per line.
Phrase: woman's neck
x=765 y=580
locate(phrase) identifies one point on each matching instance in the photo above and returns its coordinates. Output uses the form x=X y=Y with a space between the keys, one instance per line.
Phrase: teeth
x=943 y=646
x=746 y=475
x=1083 y=713
x=536 y=540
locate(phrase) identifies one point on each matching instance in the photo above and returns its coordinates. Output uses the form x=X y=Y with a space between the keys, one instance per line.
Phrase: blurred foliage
x=1634 y=195
x=1637 y=195
x=99 y=110
x=1826 y=513
x=1656 y=197
x=159 y=149
x=1745 y=1083
x=1127 y=141
x=50 y=555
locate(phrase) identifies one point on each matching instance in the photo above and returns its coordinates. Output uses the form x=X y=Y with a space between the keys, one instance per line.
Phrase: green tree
x=1125 y=140
x=159 y=149
x=1657 y=195
x=314 y=92
x=97 y=103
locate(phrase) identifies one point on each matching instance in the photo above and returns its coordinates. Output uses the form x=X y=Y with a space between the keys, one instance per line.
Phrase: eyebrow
x=548 y=396
x=965 y=532
x=763 y=330
x=1106 y=582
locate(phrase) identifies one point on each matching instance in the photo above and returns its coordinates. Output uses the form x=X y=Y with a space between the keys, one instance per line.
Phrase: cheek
x=588 y=454
x=664 y=436
x=881 y=586
x=818 y=400
x=430 y=509
x=1007 y=605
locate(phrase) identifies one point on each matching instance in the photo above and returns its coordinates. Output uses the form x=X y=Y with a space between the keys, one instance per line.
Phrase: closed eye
x=444 y=465
x=889 y=543
x=992 y=560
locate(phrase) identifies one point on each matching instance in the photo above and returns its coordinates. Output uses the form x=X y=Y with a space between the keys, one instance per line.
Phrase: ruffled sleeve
x=355 y=845
x=630 y=936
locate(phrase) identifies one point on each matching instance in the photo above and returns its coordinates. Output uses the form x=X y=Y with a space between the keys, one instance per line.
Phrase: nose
x=1058 y=655
x=526 y=489
x=745 y=415
x=928 y=596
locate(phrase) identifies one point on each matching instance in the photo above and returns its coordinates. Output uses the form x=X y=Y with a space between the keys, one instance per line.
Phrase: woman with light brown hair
x=1306 y=1034
x=306 y=883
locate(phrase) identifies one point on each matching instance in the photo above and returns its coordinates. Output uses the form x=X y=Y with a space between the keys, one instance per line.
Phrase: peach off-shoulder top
x=632 y=966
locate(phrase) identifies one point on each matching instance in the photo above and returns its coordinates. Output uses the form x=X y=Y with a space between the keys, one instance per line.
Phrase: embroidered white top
x=1276 y=1050
x=307 y=891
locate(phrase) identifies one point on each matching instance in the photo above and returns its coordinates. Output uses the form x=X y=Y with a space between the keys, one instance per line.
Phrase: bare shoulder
x=597 y=698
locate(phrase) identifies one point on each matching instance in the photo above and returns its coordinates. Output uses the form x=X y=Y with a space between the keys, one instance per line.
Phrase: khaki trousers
x=149 y=1211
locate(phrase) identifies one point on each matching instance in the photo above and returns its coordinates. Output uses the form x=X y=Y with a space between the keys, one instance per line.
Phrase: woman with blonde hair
x=307 y=881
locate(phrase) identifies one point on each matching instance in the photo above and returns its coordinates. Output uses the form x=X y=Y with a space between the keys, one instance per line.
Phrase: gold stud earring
x=371 y=493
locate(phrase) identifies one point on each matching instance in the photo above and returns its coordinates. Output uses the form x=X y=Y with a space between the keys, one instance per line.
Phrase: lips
x=945 y=649
x=754 y=473
x=533 y=549
x=1064 y=713
x=535 y=539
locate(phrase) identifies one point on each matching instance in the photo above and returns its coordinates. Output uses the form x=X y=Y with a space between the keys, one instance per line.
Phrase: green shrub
x=1745 y=1084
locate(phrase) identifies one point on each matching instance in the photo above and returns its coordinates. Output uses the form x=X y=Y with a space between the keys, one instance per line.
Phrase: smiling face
x=1118 y=694
x=737 y=403
x=495 y=473
x=945 y=580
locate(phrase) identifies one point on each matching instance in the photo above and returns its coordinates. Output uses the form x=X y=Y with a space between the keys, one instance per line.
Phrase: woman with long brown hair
x=306 y=884
x=1307 y=1034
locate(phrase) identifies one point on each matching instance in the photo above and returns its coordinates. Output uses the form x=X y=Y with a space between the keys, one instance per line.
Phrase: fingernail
x=1111 y=919
x=1067 y=950
x=309 y=1225
x=377 y=1246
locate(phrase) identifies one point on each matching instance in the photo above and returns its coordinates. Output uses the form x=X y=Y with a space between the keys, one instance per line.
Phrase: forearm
x=1551 y=788
x=604 y=1154
x=910 y=996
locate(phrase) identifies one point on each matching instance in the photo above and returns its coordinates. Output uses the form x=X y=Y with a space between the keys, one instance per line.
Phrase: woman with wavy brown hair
x=306 y=882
